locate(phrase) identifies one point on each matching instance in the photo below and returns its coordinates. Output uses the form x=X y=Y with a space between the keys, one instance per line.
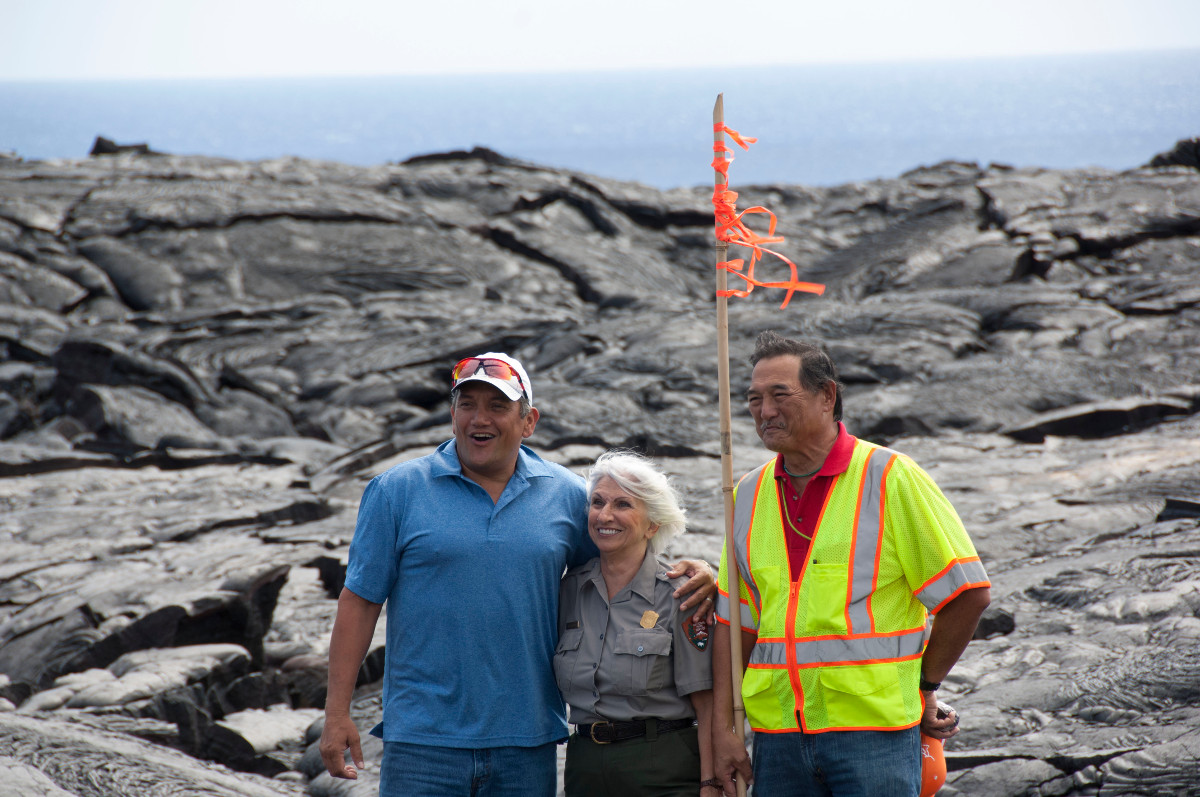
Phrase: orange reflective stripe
x=725 y=616
x=866 y=545
x=956 y=577
x=859 y=728
x=743 y=523
x=836 y=650
x=789 y=646
x=857 y=610
x=882 y=514
x=793 y=595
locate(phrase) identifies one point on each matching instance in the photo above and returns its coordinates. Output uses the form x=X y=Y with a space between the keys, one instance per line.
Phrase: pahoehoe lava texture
x=202 y=361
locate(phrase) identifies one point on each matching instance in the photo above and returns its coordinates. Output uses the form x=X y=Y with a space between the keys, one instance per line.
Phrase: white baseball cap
x=495 y=368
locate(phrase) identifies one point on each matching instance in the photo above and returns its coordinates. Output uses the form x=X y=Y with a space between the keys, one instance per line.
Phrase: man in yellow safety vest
x=844 y=548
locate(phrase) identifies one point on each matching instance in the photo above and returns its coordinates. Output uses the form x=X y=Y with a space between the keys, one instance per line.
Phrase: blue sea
x=818 y=125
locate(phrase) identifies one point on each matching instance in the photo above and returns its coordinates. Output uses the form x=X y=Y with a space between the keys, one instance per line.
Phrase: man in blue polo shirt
x=466 y=546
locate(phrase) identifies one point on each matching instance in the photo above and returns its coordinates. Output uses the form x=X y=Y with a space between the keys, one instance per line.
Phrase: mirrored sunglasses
x=497 y=369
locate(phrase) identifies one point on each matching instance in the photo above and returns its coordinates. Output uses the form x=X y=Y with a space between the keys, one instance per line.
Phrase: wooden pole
x=732 y=577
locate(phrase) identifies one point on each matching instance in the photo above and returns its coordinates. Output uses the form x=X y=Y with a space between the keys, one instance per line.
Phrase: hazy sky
x=79 y=39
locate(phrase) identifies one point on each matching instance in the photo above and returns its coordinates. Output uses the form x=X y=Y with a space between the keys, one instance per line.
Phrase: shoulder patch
x=696 y=632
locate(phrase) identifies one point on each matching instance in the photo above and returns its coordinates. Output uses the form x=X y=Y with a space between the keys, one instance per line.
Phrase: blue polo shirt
x=471 y=589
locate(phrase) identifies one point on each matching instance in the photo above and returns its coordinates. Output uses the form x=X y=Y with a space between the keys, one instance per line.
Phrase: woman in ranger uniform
x=635 y=671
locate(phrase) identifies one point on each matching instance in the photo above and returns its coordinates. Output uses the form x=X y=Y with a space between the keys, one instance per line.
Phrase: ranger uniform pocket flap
x=644 y=642
x=569 y=640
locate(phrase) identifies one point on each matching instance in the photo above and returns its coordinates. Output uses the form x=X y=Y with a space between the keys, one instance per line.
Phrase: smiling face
x=617 y=521
x=788 y=417
x=488 y=430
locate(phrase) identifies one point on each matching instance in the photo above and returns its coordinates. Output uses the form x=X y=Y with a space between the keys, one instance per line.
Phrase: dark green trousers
x=657 y=765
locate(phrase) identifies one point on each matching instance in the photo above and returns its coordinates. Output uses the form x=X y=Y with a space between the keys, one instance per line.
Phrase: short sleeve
x=374 y=560
x=692 y=666
x=582 y=548
x=749 y=611
x=567 y=648
x=936 y=554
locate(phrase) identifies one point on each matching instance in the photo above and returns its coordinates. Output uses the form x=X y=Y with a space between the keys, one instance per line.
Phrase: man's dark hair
x=816 y=367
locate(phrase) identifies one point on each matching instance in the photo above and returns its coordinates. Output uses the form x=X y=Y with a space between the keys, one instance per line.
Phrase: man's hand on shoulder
x=700 y=589
x=339 y=735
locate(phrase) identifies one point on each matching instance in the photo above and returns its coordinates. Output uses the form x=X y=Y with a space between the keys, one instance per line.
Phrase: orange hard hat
x=933 y=766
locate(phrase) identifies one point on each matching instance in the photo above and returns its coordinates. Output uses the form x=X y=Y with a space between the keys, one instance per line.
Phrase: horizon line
x=660 y=69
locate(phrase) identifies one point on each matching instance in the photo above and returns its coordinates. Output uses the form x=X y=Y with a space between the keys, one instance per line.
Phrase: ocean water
x=817 y=125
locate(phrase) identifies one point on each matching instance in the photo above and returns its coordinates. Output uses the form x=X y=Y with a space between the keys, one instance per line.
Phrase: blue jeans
x=417 y=770
x=838 y=764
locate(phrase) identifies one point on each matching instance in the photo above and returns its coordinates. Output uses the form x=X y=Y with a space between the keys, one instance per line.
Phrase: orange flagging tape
x=731 y=229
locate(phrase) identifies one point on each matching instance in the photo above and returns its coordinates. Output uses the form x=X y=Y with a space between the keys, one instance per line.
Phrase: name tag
x=573 y=624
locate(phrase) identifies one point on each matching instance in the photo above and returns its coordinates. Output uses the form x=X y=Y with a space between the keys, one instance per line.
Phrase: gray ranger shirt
x=608 y=666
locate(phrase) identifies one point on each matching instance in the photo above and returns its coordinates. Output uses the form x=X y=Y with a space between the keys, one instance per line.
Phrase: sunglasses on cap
x=497 y=369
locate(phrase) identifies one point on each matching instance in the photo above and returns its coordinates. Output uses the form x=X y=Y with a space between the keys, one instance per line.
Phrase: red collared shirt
x=802 y=511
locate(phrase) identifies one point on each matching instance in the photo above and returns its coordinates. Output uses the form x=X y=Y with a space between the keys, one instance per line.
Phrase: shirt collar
x=646 y=576
x=446 y=463
x=837 y=461
x=643 y=581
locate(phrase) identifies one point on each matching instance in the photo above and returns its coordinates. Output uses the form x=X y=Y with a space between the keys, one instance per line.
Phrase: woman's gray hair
x=639 y=477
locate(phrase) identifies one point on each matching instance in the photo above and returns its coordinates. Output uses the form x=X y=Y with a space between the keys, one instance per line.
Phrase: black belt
x=606 y=732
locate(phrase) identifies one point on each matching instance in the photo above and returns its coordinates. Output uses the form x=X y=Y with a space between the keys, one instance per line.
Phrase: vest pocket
x=825 y=598
x=760 y=699
x=773 y=589
x=566 y=656
x=643 y=660
x=863 y=696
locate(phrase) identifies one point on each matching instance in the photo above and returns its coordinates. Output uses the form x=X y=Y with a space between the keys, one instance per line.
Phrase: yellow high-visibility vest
x=841 y=648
